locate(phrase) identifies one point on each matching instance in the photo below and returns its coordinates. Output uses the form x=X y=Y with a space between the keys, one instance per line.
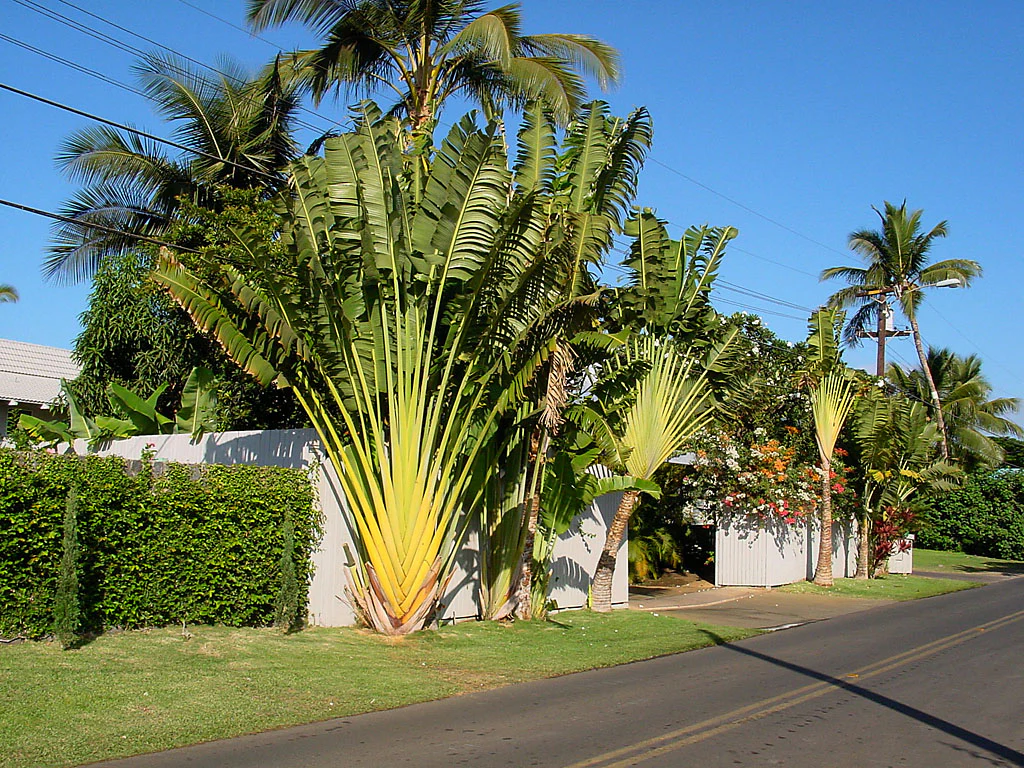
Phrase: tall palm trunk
x=523 y=603
x=823 y=573
x=601 y=591
x=864 y=546
x=931 y=385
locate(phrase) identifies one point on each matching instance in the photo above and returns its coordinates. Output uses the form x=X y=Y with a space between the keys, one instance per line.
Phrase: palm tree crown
x=8 y=293
x=971 y=413
x=428 y=50
x=897 y=261
x=897 y=264
x=239 y=131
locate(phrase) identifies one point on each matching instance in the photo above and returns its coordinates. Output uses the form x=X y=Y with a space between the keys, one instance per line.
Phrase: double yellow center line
x=691 y=734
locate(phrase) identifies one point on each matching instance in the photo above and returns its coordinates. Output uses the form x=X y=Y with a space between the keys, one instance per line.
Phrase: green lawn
x=892 y=587
x=134 y=692
x=958 y=562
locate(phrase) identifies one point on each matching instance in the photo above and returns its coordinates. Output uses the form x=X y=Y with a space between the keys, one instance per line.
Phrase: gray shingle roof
x=30 y=373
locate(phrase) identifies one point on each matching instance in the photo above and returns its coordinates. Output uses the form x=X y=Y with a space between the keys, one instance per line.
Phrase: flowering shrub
x=763 y=478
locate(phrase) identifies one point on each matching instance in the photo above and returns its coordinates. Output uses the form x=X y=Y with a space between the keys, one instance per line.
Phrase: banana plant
x=196 y=415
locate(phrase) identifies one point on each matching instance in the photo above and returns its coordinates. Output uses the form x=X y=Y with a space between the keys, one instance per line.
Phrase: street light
x=951 y=282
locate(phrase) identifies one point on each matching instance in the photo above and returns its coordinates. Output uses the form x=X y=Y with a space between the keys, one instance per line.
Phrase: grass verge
x=958 y=562
x=891 y=587
x=135 y=692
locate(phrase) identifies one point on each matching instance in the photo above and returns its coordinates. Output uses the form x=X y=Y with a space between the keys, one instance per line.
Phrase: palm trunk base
x=601 y=587
x=601 y=591
x=823 y=571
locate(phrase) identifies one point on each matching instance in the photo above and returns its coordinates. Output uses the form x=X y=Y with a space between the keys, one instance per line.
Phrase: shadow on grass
x=1003 y=751
x=992 y=566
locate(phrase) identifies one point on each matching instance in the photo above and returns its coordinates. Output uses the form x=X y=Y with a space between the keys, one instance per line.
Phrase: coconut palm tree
x=897 y=264
x=239 y=132
x=426 y=51
x=8 y=294
x=972 y=415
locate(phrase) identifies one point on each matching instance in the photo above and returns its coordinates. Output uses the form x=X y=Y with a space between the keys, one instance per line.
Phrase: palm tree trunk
x=931 y=385
x=823 y=572
x=524 y=607
x=601 y=591
x=864 y=547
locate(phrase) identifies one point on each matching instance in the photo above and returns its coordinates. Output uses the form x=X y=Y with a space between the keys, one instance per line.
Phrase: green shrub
x=195 y=544
x=983 y=517
x=66 y=615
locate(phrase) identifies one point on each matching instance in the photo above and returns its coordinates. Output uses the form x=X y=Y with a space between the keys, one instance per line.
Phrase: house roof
x=30 y=373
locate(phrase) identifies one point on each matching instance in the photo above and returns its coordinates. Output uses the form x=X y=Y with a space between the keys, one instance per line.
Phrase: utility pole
x=886 y=328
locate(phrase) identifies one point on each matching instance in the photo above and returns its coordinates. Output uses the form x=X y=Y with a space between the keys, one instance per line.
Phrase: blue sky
x=802 y=114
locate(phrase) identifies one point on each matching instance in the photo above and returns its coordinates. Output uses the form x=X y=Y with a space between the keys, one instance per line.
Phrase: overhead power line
x=730 y=286
x=747 y=208
x=71 y=64
x=136 y=131
x=759 y=310
x=243 y=30
x=91 y=225
x=973 y=343
x=139 y=52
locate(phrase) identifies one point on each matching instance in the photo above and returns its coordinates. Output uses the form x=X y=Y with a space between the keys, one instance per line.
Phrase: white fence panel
x=741 y=547
x=751 y=552
x=575 y=554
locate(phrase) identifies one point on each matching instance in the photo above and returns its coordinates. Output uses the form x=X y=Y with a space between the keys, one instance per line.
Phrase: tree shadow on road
x=1008 y=754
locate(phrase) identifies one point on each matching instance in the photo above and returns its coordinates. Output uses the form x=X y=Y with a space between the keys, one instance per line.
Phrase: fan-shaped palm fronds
x=410 y=323
x=8 y=294
x=832 y=396
x=666 y=405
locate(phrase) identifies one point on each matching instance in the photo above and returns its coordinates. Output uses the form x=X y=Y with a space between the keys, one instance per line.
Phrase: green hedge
x=181 y=543
x=983 y=517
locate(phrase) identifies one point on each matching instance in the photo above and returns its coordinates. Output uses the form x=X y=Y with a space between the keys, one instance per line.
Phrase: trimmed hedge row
x=184 y=543
x=985 y=516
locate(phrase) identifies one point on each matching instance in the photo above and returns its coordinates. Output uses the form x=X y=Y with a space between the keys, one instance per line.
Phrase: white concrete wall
x=574 y=558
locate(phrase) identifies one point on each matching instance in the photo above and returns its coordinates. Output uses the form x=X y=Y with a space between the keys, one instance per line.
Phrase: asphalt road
x=936 y=682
